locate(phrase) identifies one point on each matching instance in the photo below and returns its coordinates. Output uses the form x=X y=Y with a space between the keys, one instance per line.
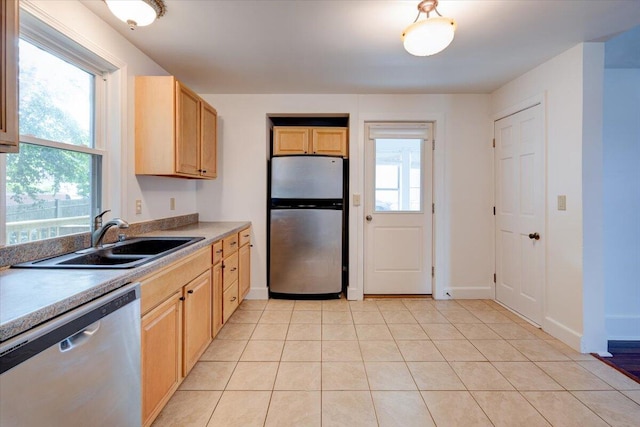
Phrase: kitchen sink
x=125 y=254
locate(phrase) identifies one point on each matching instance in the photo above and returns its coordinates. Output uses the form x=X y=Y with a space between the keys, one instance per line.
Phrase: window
x=398 y=174
x=53 y=185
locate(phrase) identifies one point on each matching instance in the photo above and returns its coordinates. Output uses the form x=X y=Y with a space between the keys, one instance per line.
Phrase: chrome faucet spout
x=98 y=234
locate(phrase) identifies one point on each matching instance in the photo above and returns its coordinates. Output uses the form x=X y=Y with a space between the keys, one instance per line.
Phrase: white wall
x=122 y=187
x=621 y=143
x=561 y=81
x=464 y=250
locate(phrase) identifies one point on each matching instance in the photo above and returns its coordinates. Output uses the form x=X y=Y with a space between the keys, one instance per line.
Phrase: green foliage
x=40 y=170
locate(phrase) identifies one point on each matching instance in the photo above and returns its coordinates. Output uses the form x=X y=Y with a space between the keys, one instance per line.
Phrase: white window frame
x=44 y=36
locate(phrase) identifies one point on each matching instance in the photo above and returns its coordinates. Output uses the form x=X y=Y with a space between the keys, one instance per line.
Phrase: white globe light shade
x=430 y=36
x=138 y=11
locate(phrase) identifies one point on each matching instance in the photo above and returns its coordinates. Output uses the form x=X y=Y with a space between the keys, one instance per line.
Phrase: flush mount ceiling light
x=137 y=12
x=431 y=35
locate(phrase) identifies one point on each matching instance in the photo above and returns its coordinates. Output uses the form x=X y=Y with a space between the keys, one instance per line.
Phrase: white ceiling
x=354 y=46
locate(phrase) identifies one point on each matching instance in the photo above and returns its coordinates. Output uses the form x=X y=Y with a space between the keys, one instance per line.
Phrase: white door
x=398 y=218
x=520 y=220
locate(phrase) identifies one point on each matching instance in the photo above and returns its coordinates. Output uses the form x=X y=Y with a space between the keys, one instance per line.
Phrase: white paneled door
x=398 y=208
x=520 y=212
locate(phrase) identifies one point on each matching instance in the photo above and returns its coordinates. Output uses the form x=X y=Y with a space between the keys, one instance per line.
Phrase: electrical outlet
x=172 y=203
x=138 y=207
x=356 y=199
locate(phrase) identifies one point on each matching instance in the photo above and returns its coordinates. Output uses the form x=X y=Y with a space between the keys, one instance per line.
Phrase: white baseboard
x=258 y=293
x=622 y=327
x=354 y=294
x=468 y=292
x=565 y=334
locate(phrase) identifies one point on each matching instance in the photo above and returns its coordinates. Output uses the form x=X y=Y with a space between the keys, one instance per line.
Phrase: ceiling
x=354 y=46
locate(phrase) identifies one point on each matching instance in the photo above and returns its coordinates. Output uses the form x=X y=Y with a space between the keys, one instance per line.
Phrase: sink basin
x=126 y=254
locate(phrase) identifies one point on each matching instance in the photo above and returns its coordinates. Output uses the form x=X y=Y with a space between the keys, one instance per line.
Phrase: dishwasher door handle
x=79 y=338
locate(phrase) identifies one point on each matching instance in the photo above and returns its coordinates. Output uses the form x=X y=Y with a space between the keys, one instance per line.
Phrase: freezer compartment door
x=306 y=251
x=306 y=177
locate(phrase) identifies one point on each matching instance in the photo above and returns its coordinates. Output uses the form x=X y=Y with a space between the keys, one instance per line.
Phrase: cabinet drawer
x=230 y=301
x=217 y=252
x=157 y=287
x=230 y=245
x=230 y=272
x=244 y=236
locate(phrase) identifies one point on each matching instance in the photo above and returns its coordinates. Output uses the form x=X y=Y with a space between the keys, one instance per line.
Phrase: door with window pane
x=398 y=214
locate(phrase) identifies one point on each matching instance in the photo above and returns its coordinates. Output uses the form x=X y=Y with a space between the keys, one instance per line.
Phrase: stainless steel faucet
x=100 y=230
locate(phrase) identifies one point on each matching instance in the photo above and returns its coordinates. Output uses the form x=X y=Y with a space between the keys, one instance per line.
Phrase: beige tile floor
x=395 y=362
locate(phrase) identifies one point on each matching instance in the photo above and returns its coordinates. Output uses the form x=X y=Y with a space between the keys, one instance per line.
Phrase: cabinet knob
x=234 y=269
x=219 y=251
x=233 y=243
x=204 y=171
x=182 y=298
x=190 y=291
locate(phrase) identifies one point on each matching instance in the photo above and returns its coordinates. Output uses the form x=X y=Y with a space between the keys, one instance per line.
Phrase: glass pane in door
x=398 y=175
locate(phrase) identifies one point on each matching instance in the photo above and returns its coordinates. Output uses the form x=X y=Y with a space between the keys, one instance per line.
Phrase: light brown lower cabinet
x=197 y=318
x=244 y=271
x=176 y=327
x=217 y=298
x=161 y=340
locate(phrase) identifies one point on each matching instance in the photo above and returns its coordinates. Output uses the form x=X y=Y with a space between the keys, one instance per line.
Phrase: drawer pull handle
x=233 y=299
x=219 y=251
x=233 y=243
x=182 y=298
x=234 y=269
x=190 y=291
x=246 y=235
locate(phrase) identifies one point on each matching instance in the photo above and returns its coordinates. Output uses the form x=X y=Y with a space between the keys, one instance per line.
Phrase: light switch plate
x=562 y=203
x=138 y=207
x=356 y=199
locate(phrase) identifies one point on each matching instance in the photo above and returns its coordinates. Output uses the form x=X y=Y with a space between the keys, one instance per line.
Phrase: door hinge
x=433 y=208
x=433 y=272
x=433 y=145
x=494 y=210
x=494 y=143
x=494 y=277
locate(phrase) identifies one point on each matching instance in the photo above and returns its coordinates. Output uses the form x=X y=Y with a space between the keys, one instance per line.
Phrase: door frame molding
x=538 y=99
x=356 y=213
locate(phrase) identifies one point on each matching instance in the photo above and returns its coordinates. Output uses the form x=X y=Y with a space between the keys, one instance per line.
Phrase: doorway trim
x=357 y=213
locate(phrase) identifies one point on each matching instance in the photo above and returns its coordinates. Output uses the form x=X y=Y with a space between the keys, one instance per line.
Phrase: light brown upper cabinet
x=176 y=130
x=9 y=76
x=327 y=141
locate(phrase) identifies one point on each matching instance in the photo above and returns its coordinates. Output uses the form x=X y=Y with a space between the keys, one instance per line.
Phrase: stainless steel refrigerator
x=306 y=226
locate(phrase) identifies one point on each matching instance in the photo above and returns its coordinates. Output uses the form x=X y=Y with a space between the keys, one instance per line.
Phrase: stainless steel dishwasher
x=79 y=369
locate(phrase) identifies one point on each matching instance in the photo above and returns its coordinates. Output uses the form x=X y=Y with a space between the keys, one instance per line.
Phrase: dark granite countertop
x=29 y=297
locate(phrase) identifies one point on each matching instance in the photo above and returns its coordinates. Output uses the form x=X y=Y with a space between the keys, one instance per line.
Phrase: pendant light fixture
x=137 y=12
x=431 y=35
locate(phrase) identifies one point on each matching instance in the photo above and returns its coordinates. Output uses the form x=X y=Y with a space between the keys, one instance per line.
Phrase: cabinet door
x=197 y=319
x=244 y=271
x=161 y=355
x=209 y=140
x=187 y=130
x=9 y=76
x=217 y=299
x=290 y=140
x=329 y=141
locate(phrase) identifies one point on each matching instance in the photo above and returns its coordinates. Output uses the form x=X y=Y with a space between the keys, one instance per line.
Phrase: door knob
x=534 y=236
x=369 y=218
